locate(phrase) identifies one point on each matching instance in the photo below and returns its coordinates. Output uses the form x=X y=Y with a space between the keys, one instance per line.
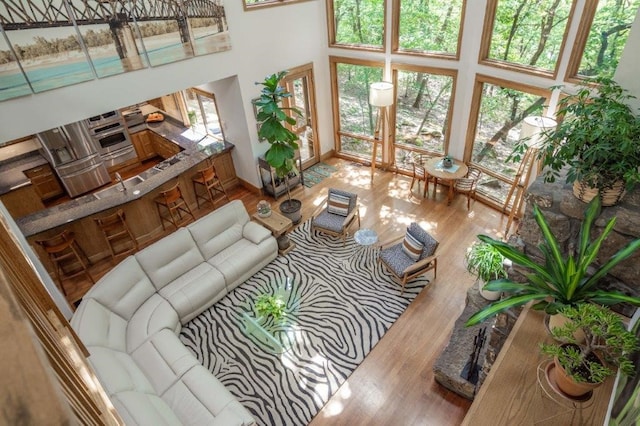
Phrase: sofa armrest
x=255 y=232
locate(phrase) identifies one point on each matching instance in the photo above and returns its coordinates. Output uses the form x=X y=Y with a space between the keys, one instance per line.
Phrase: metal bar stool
x=173 y=202
x=116 y=232
x=64 y=252
x=208 y=178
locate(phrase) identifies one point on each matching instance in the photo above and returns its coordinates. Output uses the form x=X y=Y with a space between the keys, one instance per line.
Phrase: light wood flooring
x=395 y=384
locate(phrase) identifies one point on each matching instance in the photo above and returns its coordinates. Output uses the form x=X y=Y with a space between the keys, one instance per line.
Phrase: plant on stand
x=487 y=263
x=273 y=120
x=596 y=139
x=559 y=281
x=583 y=365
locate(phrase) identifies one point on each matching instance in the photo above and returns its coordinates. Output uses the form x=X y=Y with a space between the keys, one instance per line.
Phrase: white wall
x=263 y=41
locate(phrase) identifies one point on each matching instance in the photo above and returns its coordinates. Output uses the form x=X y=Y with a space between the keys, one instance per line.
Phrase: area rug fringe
x=347 y=303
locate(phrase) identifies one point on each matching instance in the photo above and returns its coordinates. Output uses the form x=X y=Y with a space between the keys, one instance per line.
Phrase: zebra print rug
x=347 y=301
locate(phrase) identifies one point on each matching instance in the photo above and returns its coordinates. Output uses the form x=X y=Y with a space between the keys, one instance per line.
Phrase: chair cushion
x=412 y=247
x=396 y=259
x=430 y=243
x=338 y=204
x=330 y=221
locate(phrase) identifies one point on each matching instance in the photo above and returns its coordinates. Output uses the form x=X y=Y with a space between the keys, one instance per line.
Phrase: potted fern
x=486 y=263
x=273 y=119
x=580 y=366
x=560 y=280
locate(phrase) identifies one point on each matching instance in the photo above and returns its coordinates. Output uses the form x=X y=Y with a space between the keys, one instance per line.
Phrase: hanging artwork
x=13 y=82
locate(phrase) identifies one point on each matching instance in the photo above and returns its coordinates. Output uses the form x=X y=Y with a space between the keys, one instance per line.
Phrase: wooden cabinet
x=164 y=147
x=225 y=170
x=143 y=145
x=273 y=185
x=44 y=181
x=22 y=201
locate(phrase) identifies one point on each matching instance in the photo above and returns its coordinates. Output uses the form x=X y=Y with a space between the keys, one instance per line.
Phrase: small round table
x=365 y=237
x=435 y=168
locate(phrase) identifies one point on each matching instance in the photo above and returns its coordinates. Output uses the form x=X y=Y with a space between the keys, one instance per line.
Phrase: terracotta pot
x=558 y=320
x=568 y=386
x=610 y=196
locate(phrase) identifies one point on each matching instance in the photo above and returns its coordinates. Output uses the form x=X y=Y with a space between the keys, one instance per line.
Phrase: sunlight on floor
x=335 y=405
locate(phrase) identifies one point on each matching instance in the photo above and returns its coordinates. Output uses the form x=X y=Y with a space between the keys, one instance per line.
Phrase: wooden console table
x=512 y=395
x=279 y=225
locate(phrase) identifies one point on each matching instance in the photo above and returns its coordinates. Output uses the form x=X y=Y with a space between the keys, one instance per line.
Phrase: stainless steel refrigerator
x=75 y=158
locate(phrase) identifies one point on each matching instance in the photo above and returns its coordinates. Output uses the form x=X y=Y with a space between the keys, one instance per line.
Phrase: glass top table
x=273 y=335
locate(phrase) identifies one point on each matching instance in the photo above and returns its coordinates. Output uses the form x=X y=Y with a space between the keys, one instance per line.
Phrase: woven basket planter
x=610 y=196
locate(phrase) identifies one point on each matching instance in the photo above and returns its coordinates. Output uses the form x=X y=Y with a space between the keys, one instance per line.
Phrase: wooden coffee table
x=434 y=167
x=279 y=225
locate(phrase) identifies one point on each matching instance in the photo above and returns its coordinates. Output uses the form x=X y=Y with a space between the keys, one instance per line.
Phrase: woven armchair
x=404 y=267
x=336 y=214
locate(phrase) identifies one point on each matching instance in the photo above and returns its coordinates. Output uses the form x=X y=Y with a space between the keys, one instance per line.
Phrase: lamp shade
x=381 y=94
x=533 y=126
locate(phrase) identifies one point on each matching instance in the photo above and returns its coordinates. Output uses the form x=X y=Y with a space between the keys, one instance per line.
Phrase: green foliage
x=559 y=281
x=597 y=138
x=359 y=22
x=605 y=336
x=430 y=26
x=485 y=261
x=268 y=305
x=273 y=119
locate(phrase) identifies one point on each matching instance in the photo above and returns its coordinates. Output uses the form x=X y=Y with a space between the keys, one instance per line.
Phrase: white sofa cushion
x=243 y=259
x=164 y=359
x=138 y=408
x=96 y=325
x=124 y=288
x=255 y=233
x=118 y=371
x=194 y=291
x=169 y=258
x=154 y=315
x=220 y=229
x=200 y=399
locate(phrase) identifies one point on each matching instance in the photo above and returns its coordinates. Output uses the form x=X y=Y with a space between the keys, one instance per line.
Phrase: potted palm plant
x=583 y=365
x=560 y=280
x=486 y=263
x=596 y=139
x=273 y=119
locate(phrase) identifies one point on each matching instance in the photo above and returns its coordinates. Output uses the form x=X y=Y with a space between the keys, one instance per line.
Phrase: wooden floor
x=395 y=385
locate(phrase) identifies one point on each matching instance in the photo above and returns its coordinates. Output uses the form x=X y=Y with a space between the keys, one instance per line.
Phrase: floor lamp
x=532 y=129
x=381 y=96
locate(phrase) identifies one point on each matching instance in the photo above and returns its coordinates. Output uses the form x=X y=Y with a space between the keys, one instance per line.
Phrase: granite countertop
x=12 y=171
x=195 y=151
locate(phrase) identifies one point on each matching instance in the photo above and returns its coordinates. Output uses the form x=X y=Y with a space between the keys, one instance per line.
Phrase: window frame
x=395 y=36
x=479 y=81
x=199 y=92
x=268 y=3
x=331 y=31
x=485 y=45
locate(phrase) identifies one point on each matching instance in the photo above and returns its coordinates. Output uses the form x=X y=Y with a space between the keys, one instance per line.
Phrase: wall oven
x=111 y=137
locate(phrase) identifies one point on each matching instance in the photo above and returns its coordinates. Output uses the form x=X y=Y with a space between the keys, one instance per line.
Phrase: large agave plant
x=560 y=281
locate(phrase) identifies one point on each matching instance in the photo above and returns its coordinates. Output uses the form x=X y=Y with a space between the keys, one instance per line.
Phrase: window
x=356 y=23
x=356 y=119
x=525 y=34
x=431 y=27
x=202 y=113
x=499 y=108
x=597 y=50
x=423 y=111
x=257 y=4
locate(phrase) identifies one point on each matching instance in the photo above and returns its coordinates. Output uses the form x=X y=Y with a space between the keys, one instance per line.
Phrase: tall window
x=604 y=30
x=356 y=23
x=423 y=111
x=202 y=112
x=356 y=118
x=500 y=108
x=526 y=34
x=432 y=27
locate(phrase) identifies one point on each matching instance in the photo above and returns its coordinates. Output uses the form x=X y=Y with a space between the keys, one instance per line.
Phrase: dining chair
x=467 y=185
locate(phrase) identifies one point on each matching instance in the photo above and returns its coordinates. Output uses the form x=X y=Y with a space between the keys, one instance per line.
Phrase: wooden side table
x=279 y=225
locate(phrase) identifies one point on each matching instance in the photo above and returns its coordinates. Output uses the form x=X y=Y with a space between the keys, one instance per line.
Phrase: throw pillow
x=412 y=247
x=338 y=204
x=430 y=243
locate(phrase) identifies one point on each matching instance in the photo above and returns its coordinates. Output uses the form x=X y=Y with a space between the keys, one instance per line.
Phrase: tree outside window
x=202 y=112
x=609 y=30
x=502 y=108
x=527 y=33
x=357 y=23
x=431 y=27
x=423 y=111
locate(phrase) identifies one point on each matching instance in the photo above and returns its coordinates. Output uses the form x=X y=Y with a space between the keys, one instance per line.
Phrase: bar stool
x=208 y=178
x=64 y=252
x=173 y=202
x=117 y=234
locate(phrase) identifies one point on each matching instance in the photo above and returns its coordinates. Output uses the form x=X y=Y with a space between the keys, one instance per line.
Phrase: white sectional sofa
x=130 y=319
